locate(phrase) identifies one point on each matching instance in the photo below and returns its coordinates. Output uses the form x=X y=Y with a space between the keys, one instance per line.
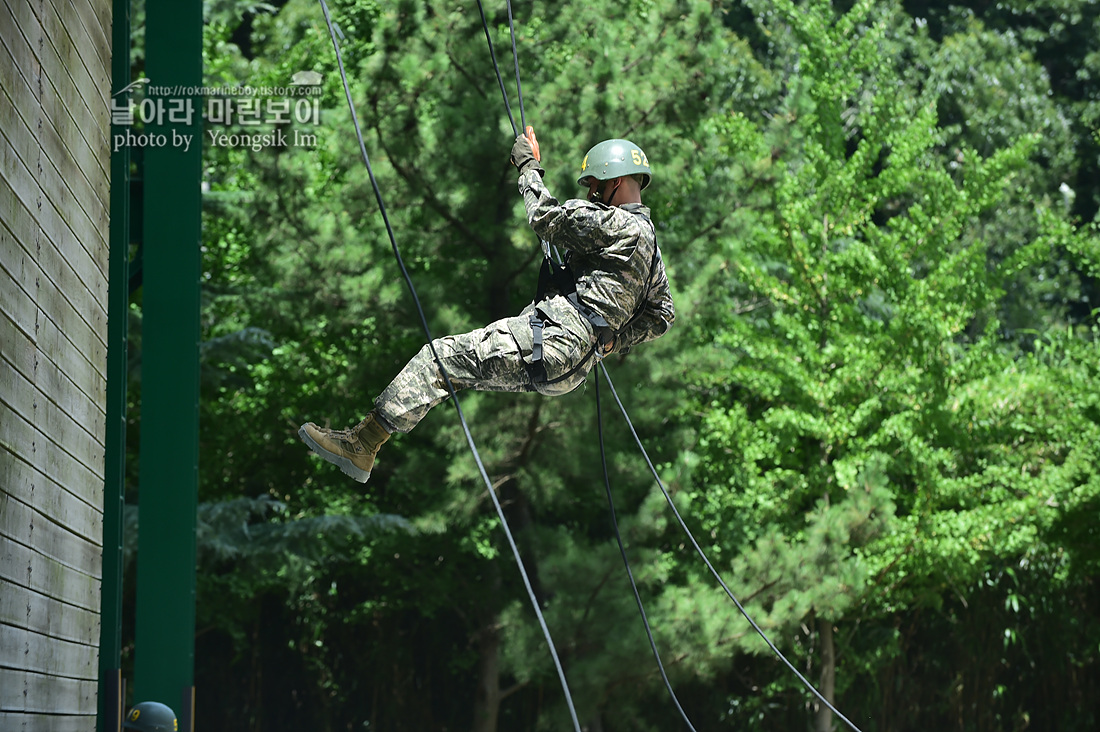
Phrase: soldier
x=611 y=295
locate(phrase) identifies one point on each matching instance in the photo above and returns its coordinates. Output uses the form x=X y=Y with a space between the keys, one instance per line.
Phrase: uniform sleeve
x=576 y=225
x=656 y=317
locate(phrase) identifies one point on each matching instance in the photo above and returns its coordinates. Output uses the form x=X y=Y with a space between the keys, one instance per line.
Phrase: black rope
x=626 y=562
x=515 y=59
x=547 y=248
x=446 y=378
x=493 y=55
x=603 y=455
x=711 y=566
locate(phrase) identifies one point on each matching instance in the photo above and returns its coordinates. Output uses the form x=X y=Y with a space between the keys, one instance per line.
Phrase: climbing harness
x=558 y=279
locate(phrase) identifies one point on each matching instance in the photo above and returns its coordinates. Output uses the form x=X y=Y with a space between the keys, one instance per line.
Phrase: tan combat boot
x=351 y=450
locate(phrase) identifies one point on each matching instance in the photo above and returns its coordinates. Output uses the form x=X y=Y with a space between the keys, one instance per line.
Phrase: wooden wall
x=54 y=207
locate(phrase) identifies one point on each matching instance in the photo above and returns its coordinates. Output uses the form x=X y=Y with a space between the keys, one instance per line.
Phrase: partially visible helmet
x=614 y=158
x=151 y=717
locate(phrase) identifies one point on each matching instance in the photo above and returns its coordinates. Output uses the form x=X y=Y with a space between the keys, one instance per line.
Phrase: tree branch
x=416 y=180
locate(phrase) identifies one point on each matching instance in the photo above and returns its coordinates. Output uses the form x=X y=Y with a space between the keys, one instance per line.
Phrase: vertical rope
x=446 y=378
x=515 y=58
x=496 y=67
x=626 y=562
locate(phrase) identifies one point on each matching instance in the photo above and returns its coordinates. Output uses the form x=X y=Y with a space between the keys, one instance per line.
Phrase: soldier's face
x=595 y=195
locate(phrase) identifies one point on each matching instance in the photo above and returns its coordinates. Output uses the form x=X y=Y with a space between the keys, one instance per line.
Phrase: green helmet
x=615 y=158
x=151 y=717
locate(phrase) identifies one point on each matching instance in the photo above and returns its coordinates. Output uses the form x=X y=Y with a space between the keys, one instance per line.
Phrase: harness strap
x=559 y=277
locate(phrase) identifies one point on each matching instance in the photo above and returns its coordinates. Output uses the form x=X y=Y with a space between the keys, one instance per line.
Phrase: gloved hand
x=525 y=152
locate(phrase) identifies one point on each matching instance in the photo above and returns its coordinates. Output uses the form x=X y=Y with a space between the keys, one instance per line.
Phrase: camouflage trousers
x=493 y=358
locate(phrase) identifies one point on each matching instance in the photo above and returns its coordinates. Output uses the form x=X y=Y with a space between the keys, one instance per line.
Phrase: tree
x=297 y=252
x=851 y=410
x=858 y=335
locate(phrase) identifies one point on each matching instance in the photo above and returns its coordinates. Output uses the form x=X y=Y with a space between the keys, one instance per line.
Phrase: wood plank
x=17 y=301
x=24 y=608
x=51 y=656
x=77 y=52
x=61 y=432
x=51 y=272
x=65 y=299
x=35 y=531
x=86 y=214
x=16 y=347
x=18 y=352
x=44 y=156
x=21 y=439
x=94 y=42
x=53 y=434
x=30 y=722
x=99 y=35
x=22 y=110
x=23 y=220
x=25 y=213
x=53 y=384
x=76 y=97
x=46 y=293
x=83 y=155
x=98 y=13
x=26 y=483
x=87 y=376
x=32 y=692
x=18 y=305
x=52 y=105
x=21 y=566
x=51 y=309
x=102 y=10
x=77 y=140
x=66 y=371
x=83 y=441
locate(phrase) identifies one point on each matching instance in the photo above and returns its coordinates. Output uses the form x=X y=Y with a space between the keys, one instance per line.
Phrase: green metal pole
x=109 y=718
x=167 y=500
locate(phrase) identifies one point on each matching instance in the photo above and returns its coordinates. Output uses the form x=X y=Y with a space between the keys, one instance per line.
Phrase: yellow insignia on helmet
x=584 y=164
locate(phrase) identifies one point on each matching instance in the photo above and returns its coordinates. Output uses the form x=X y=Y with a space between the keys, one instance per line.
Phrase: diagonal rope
x=710 y=566
x=446 y=378
x=603 y=455
x=626 y=562
x=473 y=447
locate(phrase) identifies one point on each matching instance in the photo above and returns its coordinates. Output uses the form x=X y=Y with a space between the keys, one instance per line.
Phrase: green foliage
x=877 y=408
x=864 y=332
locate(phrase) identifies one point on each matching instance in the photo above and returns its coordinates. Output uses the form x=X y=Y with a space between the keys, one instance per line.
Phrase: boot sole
x=345 y=465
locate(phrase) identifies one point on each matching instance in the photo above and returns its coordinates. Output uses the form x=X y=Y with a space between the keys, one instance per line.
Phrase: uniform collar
x=640 y=208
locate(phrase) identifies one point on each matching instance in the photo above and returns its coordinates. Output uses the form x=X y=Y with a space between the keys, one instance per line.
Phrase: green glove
x=523 y=156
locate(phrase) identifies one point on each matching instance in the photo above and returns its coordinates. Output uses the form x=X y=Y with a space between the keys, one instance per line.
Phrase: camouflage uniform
x=610 y=250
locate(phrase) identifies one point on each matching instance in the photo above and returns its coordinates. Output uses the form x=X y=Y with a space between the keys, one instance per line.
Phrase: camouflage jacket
x=610 y=249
